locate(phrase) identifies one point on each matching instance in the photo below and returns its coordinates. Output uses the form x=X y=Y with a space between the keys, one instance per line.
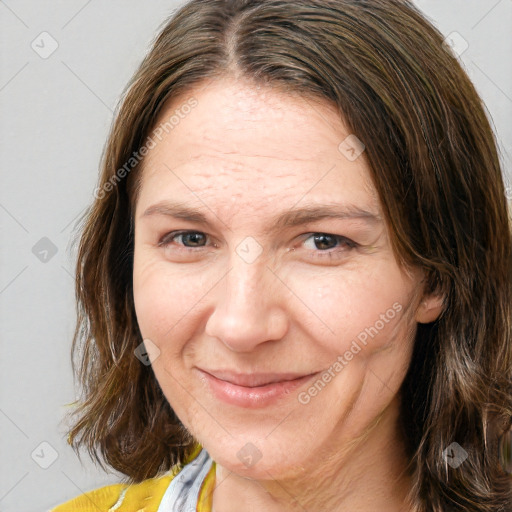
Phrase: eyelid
x=336 y=253
x=167 y=238
x=340 y=238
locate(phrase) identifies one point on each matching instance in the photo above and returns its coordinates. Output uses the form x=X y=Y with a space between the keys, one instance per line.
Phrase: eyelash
x=167 y=239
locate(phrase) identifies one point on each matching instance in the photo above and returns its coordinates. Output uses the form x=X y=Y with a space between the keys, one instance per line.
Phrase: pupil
x=320 y=240
x=193 y=237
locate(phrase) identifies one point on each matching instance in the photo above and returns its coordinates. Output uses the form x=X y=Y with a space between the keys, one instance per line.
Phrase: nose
x=249 y=308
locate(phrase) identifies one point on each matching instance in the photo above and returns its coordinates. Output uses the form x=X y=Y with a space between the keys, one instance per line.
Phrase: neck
x=369 y=475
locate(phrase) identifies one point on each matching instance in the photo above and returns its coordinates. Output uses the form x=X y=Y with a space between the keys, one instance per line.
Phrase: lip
x=252 y=390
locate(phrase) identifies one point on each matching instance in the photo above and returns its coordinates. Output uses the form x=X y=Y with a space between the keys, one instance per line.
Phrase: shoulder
x=144 y=496
x=120 y=497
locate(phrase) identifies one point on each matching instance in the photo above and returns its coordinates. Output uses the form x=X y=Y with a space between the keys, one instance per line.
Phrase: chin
x=259 y=458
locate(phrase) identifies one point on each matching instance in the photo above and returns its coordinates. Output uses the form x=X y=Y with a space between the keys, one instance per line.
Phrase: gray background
x=55 y=116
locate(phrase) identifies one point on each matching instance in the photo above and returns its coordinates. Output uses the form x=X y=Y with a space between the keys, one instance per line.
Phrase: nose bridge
x=249 y=285
x=247 y=290
x=247 y=310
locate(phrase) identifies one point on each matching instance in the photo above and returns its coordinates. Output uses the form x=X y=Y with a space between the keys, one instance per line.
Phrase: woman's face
x=261 y=256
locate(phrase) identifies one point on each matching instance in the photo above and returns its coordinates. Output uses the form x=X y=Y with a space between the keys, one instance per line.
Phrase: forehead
x=253 y=142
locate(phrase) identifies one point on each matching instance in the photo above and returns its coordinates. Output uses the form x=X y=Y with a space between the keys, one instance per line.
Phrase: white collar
x=182 y=494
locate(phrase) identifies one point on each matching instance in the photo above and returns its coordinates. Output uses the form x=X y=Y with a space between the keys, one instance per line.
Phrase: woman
x=294 y=284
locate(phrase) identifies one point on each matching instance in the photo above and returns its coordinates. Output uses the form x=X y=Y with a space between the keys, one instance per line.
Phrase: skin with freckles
x=236 y=290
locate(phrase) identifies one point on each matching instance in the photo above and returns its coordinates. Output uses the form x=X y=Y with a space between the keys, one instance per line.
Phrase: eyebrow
x=288 y=219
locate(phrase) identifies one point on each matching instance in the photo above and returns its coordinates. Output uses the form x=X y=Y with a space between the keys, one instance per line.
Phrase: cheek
x=368 y=304
x=332 y=306
x=164 y=300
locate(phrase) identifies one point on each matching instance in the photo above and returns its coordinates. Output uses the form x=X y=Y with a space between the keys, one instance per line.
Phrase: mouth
x=252 y=390
x=252 y=380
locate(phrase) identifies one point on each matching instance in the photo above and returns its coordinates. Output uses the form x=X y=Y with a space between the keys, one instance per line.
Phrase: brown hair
x=433 y=159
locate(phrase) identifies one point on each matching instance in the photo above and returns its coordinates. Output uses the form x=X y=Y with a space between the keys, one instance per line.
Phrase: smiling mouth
x=252 y=391
x=253 y=380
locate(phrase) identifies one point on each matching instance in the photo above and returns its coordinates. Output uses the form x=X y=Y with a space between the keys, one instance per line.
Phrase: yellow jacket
x=143 y=497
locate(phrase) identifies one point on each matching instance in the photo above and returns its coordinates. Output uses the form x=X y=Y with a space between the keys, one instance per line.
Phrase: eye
x=320 y=245
x=194 y=238
x=326 y=245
